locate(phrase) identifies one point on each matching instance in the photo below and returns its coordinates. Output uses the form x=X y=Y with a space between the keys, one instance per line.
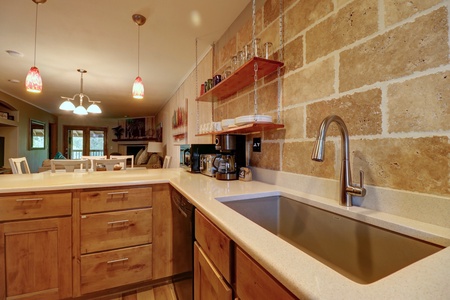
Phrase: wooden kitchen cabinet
x=35 y=252
x=220 y=264
x=106 y=269
x=212 y=262
x=253 y=282
x=114 y=228
x=208 y=282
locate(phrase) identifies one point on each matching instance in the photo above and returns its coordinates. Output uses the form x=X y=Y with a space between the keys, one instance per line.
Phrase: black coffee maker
x=232 y=156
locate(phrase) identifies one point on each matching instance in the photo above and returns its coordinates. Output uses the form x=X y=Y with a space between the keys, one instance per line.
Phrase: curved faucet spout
x=346 y=188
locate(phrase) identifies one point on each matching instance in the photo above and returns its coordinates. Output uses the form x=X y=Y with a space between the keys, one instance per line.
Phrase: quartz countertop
x=306 y=277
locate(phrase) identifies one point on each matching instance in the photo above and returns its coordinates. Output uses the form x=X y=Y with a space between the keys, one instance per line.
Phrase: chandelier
x=33 y=81
x=138 y=86
x=80 y=110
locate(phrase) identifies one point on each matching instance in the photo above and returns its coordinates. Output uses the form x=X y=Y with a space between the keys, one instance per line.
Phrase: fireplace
x=134 y=149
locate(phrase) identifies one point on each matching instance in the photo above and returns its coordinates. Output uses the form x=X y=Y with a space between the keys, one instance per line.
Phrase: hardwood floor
x=163 y=292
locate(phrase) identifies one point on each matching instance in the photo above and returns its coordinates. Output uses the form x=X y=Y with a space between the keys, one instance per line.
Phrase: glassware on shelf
x=241 y=58
x=234 y=63
x=256 y=48
x=267 y=50
x=217 y=79
x=226 y=73
x=247 y=52
x=202 y=89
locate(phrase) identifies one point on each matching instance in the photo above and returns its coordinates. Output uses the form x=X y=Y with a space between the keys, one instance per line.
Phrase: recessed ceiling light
x=14 y=53
x=13 y=80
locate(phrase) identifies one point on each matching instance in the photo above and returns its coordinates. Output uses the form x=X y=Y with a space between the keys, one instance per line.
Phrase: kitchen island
x=301 y=274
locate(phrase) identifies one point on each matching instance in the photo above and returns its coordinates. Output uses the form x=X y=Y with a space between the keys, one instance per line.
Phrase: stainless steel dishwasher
x=183 y=238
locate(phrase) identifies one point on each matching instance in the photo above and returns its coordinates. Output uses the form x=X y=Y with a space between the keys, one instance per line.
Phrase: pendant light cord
x=139 y=43
x=35 y=33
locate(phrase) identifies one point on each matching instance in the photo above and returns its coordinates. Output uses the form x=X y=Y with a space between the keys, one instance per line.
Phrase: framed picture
x=37 y=135
x=158 y=130
x=135 y=128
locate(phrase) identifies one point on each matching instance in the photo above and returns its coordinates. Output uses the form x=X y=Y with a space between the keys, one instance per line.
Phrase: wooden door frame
x=85 y=130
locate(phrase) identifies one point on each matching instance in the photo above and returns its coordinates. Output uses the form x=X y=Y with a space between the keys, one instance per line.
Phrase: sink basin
x=361 y=252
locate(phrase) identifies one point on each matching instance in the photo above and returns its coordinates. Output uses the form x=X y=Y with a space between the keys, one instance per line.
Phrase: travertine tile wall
x=382 y=65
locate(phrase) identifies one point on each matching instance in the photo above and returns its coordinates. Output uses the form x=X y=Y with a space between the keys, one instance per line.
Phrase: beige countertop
x=304 y=276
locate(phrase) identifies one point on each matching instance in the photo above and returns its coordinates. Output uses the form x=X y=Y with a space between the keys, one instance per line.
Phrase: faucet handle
x=361 y=183
x=358 y=191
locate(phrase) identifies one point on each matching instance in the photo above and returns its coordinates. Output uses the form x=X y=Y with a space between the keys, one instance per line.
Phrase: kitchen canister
x=245 y=174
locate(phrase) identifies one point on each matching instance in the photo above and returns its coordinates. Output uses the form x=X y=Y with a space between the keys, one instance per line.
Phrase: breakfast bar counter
x=304 y=276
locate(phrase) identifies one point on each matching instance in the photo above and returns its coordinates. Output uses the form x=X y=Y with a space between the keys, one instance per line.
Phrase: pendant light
x=138 y=86
x=80 y=110
x=33 y=82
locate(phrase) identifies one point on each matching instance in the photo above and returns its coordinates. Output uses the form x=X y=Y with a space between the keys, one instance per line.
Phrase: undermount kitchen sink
x=362 y=252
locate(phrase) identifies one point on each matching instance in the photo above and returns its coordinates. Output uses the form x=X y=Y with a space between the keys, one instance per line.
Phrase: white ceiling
x=101 y=37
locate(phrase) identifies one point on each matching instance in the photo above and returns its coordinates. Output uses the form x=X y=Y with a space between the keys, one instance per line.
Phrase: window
x=79 y=140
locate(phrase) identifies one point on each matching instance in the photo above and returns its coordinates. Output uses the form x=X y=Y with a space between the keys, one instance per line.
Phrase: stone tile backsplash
x=382 y=65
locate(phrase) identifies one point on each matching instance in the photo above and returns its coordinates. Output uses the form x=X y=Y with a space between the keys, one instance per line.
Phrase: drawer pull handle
x=118 y=222
x=118 y=193
x=29 y=199
x=117 y=260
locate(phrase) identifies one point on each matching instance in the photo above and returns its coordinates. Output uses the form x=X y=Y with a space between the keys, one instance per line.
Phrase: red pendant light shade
x=33 y=82
x=138 y=88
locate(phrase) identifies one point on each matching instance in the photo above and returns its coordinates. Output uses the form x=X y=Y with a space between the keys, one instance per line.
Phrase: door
x=36 y=259
x=79 y=140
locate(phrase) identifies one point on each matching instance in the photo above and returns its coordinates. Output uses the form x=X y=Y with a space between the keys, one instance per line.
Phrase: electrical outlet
x=256 y=144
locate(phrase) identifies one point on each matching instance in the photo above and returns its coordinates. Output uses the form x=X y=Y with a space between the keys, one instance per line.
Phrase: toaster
x=207 y=164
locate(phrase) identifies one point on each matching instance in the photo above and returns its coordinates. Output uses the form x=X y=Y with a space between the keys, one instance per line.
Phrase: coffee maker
x=231 y=157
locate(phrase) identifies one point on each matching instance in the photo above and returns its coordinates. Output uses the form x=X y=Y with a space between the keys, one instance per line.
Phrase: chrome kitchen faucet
x=346 y=188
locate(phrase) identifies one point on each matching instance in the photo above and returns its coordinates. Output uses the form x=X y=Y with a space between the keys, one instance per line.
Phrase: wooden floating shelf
x=241 y=78
x=248 y=128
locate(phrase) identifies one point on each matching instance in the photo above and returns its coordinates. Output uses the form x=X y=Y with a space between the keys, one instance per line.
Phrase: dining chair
x=127 y=157
x=69 y=164
x=108 y=164
x=166 y=162
x=19 y=165
x=91 y=158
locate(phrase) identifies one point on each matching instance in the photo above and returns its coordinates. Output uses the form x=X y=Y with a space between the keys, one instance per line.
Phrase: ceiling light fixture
x=80 y=110
x=138 y=86
x=33 y=82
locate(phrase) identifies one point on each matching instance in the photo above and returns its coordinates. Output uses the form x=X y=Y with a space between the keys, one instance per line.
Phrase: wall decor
x=37 y=135
x=180 y=122
x=135 y=129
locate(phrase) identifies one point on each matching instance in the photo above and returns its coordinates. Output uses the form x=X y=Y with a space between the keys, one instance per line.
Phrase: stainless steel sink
x=362 y=252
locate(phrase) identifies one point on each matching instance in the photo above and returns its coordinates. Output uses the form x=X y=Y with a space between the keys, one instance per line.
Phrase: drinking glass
x=268 y=49
x=234 y=63
x=241 y=58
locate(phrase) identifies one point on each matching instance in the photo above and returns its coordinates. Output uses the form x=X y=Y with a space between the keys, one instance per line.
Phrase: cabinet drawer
x=215 y=244
x=112 y=230
x=30 y=206
x=253 y=282
x=110 y=269
x=115 y=199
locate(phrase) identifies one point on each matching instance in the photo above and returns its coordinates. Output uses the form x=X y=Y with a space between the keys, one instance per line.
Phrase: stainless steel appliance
x=191 y=155
x=185 y=155
x=232 y=156
x=206 y=164
x=182 y=243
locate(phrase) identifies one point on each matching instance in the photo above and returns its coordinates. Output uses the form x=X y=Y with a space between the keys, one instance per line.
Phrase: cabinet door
x=215 y=243
x=253 y=282
x=208 y=282
x=35 y=259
